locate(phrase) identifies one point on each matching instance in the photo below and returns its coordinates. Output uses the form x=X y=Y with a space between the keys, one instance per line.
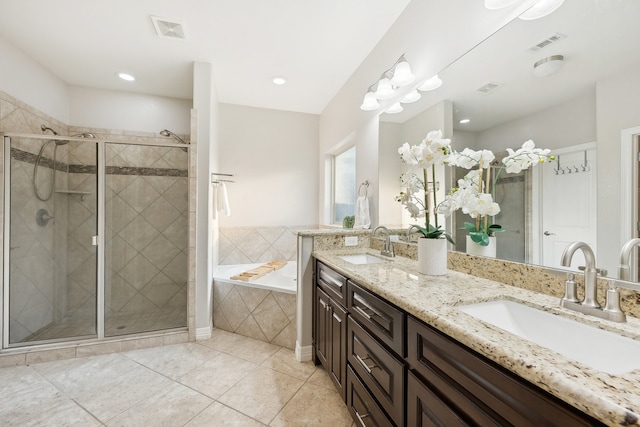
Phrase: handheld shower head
x=167 y=132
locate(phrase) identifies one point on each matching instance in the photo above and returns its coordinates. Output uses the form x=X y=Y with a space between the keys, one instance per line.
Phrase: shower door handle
x=95 y=240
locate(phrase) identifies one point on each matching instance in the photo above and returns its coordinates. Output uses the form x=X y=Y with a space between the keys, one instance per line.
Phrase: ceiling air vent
x=169 y=29
x=488 y=88
x=546 y=42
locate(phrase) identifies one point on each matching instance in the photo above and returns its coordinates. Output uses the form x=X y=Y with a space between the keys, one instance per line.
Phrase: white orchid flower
x=524 y=157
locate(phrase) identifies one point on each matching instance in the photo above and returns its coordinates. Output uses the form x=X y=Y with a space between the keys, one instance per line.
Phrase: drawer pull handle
x=364 y=364
x=362 y=312
x=361 y=418
x=330 y=280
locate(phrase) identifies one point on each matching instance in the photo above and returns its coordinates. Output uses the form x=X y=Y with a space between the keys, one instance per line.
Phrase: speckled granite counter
x=613 y=399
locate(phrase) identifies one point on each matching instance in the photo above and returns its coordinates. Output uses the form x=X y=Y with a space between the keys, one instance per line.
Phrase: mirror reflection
x=543 y=80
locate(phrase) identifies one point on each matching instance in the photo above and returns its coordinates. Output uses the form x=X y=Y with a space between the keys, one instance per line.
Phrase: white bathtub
x=282 y=280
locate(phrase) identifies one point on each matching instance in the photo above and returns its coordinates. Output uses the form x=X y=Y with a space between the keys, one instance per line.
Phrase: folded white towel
x=363 y=219
x=223 y=199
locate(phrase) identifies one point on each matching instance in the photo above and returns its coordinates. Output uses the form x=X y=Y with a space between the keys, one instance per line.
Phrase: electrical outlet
x=350 y=240
x=394 y=238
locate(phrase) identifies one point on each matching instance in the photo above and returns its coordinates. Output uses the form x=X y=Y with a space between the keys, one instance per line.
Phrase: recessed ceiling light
x=278 y=80
x=464 y=121
x=126 y=76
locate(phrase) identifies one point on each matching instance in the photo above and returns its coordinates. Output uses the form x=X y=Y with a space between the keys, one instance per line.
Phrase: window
x=344 y=185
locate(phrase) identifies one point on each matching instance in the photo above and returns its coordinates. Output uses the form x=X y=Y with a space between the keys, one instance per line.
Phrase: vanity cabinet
x=330 y=325
x=395 y=370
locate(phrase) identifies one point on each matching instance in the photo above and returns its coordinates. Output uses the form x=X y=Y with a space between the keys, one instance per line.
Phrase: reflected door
x=146 y=243
x=53 y=195
x=568 y=205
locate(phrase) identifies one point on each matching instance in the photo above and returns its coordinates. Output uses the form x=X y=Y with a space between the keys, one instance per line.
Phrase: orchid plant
x=474 y=194
x=420 y=198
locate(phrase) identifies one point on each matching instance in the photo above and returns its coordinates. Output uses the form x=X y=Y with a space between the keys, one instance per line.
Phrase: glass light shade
x=498 y=4
x=412 y=96
x=384 y=89
x=395 y=109
x=432 y=84
x=548 y=66
x=402 y=74
x=370 y=102
x=541 y=9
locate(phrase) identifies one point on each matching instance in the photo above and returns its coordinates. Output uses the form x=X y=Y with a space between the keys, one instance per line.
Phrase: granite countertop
x=338 y=231
x=613 y=399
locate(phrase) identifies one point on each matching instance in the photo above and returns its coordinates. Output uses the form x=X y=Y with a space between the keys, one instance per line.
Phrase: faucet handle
x=570 y=289
x=612 y=306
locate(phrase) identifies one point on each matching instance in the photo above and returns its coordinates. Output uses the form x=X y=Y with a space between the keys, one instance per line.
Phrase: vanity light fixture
x=278 y=80
x=395 y=109
x=412 y=96
x=430 y=84
x=385 y=88
x=370 y=102
x=541 y=9
x=126 y=76
x=548 y=66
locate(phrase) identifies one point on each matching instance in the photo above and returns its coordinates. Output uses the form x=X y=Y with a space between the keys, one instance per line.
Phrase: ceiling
x=316 y=45
x=602 y=38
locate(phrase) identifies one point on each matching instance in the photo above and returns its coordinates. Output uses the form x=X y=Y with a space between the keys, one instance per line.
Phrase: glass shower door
x=52 y=190
x=146 y=243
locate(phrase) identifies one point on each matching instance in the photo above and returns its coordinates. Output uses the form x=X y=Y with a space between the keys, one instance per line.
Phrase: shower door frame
x=98 y=239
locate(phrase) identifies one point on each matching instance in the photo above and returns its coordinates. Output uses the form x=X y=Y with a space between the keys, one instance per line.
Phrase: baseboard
x=305 y=353
x=204 y=333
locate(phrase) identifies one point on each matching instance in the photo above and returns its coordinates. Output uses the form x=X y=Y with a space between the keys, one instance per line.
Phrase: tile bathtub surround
x=247 y=245
x=226 y=380
x=269 y=316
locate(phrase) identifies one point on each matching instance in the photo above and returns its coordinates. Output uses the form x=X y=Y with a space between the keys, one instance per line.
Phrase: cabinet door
x=426 y=409
x=338 y=347
x=321 y=333
x=363 y=407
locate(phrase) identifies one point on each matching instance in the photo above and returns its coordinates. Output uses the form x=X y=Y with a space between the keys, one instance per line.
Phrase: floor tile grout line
x=89 y=412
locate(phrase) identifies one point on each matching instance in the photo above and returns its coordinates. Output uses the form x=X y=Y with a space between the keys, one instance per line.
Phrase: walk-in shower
x=96 y=238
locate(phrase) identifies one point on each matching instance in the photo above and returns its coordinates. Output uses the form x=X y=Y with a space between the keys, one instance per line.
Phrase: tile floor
x=228 y=380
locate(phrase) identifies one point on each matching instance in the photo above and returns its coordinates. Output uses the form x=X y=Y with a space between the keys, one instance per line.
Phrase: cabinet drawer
x=379 y=369
x=491 y=387
x=426 y=409
x=364 y=409
x=332 y=282
x=380 y=318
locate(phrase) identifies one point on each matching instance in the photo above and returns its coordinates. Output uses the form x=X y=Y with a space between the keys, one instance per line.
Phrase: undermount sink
x=602 y=350
x=362 y=259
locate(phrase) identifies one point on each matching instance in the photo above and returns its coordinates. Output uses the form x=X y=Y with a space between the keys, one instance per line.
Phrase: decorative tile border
x=31 y=158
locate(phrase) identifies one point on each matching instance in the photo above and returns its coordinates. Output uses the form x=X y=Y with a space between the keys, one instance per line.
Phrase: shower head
x=44 y=128
x=84 y=135
x=167 y=132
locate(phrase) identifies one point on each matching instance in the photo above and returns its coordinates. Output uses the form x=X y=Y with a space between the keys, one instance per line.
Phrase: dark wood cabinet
x=478 y=389
x=330 y=329
x=395 y=370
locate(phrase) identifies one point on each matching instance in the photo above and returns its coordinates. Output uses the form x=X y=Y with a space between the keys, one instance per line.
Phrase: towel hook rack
x=215 y=180
x=365 y=184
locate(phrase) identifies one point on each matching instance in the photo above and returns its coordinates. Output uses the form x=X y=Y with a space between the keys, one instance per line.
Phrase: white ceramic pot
x=475 y=249
x=432 y=256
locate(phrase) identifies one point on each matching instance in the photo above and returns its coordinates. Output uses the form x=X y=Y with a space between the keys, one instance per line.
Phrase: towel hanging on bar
x=223 y=199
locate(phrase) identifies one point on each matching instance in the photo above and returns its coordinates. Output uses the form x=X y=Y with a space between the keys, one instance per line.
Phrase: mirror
x=494 y=86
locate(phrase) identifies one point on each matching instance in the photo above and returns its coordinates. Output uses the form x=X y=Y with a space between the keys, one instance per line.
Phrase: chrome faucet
x=387 y=246
x=590 y=303
x=411 y=227
x=624 y=269
x=590 y=273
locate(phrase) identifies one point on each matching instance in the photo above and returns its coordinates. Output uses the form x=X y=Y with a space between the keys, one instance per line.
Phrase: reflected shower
x=168 y=133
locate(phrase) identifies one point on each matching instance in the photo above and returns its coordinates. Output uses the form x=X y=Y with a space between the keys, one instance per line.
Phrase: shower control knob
x=43 y=217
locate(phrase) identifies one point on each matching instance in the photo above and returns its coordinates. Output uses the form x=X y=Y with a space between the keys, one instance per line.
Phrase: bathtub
x=282 y=280
x=263 y=309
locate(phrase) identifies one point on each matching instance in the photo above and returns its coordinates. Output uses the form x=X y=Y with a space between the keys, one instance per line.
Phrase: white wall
x=432 y=37
x=28 y=81
x=274 y=155
x=389 y=171
x=570 y=123
x=618 y=104
x=110 y=109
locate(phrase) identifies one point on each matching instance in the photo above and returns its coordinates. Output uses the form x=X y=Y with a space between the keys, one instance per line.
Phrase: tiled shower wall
x=257 y=313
